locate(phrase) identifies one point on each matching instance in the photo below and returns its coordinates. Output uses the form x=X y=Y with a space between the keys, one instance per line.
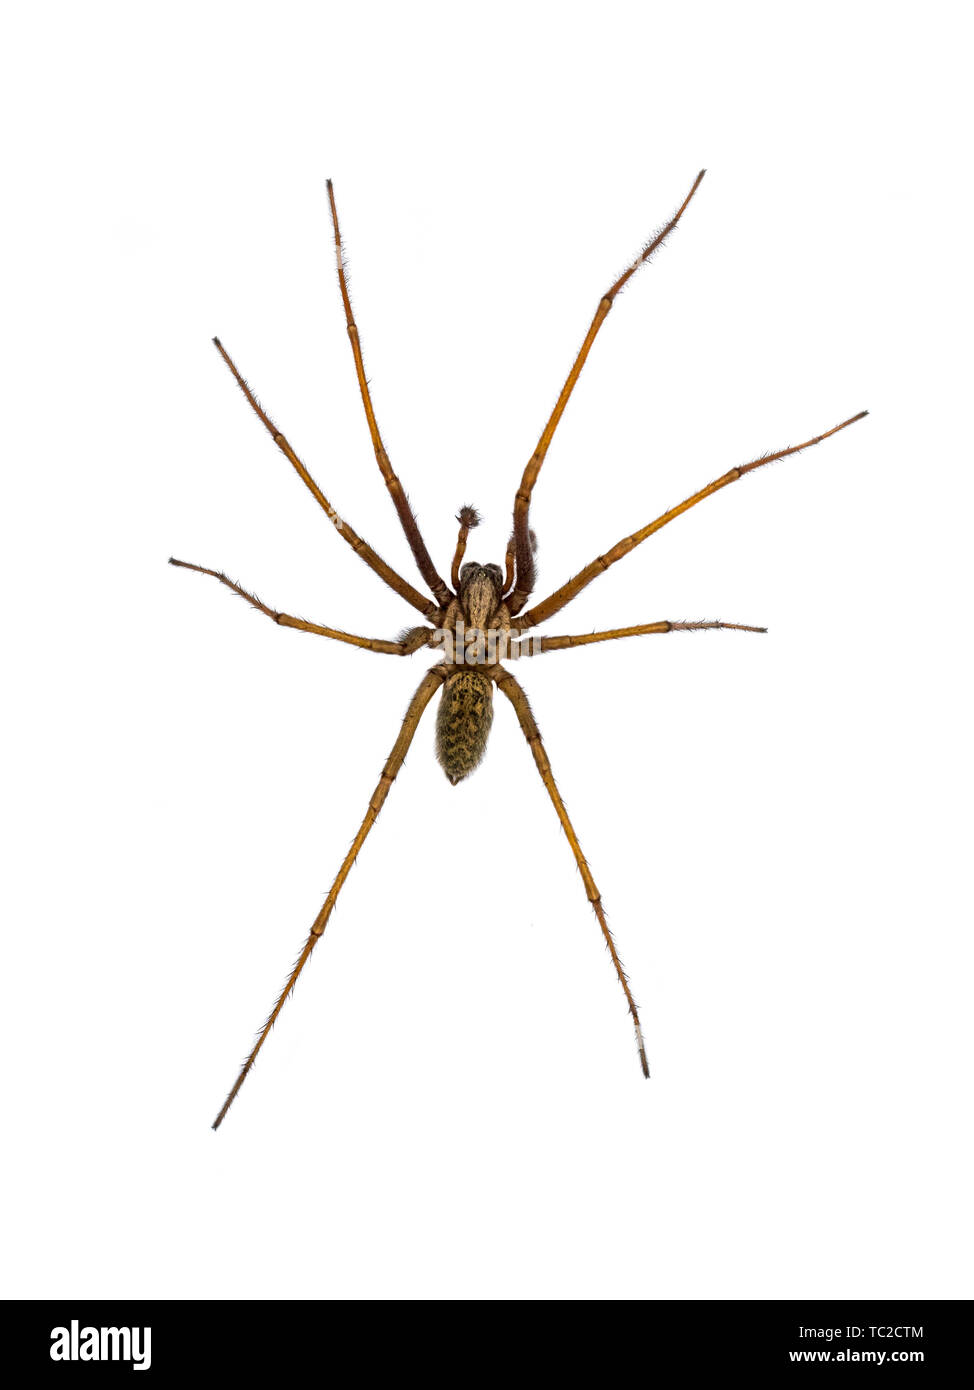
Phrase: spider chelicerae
x=476 y=621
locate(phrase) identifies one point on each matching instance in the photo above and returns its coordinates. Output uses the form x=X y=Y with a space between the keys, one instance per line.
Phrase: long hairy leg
x=416 y=638
x=362 y=549
x=555 y=602
x=525 y=572
x=405 y=512
x=522 y=709
x=428 y=687
x=534 y=646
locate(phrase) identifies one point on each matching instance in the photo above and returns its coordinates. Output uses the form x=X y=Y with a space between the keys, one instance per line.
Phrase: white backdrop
x=451 y=1104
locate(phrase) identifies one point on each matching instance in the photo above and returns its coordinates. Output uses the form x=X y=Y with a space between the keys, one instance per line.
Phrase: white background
x=451 y=1104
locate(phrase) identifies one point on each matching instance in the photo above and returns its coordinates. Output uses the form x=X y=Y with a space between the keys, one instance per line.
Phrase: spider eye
x=495 y=572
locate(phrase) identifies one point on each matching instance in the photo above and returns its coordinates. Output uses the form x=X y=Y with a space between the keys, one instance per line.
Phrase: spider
x=476 y=621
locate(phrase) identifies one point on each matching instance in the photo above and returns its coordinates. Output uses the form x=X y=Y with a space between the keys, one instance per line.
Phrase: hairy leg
x=362 y=549
x=522 y=502
x=404 y=511
x=417 y=637
x=506 y=682
x=557 y=601
x=428 y=687
x=534 y=646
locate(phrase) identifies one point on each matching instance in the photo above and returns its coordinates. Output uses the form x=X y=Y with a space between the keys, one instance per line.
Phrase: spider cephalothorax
x=480 y=592
x=477 y=624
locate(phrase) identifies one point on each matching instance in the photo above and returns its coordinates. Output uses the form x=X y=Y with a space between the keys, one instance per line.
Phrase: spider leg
x=514 y=692
x=509 y=565
x=556 y=601
x=535 y=646
x=363 y=550
x=428 y=687
x=409 y=524
x=517 y=597
x=417 y=637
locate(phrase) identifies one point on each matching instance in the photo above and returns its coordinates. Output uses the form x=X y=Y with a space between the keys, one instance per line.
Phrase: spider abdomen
x=463 y=723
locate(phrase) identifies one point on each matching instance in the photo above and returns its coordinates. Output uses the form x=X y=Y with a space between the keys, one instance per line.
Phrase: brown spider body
x=475 y=624
x=463 y=721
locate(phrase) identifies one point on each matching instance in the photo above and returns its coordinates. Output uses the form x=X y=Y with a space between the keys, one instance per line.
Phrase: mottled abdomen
x=463 y=723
